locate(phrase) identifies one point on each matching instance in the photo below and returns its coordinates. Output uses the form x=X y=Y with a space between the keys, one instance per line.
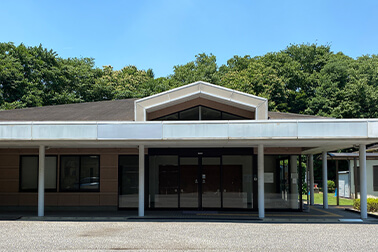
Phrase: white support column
x=260 y=180
x=325 y=178
x=294 y=187
x=311 y=166
x=41 y=182
x=141 y=181
x=363 y=186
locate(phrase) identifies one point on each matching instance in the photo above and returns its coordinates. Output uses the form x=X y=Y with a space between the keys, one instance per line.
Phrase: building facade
x=199 y=147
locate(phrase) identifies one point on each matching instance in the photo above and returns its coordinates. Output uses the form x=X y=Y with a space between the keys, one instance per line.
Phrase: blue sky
x=162 y=34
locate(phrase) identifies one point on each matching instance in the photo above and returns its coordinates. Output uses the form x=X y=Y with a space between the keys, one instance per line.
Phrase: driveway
x=185 y=236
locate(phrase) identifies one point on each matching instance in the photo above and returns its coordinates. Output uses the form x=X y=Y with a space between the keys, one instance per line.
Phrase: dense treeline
x=305 y=78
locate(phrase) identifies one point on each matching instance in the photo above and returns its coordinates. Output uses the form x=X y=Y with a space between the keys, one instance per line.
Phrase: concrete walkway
x=316 y=214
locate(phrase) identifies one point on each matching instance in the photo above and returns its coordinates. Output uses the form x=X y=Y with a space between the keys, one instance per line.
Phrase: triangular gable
x=202 y=90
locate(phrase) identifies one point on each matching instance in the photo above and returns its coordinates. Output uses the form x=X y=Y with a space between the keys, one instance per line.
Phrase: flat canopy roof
x=350 y=156
x=313 y=136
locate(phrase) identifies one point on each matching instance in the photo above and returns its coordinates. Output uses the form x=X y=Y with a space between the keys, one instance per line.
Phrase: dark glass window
x=357 y=181
x=29 y=173
x=189 y=114
x=199 y=113
x=163 y=181
x=171 y=117
x=79 y=173
x=375 y=177
x=210 y=114
x=129 y=181
x=228 y=116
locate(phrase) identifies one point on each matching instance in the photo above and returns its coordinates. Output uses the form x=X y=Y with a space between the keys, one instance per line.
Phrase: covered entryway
x=200 y=178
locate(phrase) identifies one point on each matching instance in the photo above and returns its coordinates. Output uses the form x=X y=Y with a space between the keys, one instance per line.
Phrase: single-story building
x=199 y=146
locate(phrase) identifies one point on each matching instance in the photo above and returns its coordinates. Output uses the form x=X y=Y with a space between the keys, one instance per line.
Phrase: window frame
x=36 y=190
x=61 y=157
x=199 y=115
x=120 y=177
x=375 y=178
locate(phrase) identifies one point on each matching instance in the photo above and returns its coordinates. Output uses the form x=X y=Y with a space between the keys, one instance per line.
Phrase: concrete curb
x=51 y=218
x=10 y=217
x=184 y=219
x=370 y=214
x=300 y=220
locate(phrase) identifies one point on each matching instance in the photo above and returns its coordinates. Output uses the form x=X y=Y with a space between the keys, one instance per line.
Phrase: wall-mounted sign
x=268 y=177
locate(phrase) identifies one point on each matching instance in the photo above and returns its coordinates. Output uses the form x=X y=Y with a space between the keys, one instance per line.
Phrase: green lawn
x=331 y=199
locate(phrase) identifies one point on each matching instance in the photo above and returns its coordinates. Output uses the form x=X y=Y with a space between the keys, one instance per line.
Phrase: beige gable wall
x=254 y=104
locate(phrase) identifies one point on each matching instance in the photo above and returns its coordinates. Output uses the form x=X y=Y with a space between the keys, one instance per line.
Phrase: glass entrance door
x=189 y=183
x=200 y=179
x=200 y=182
x=211 y=182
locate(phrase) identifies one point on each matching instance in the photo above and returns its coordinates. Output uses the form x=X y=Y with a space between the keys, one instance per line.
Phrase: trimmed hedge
x=331 y=186
x=372 y=204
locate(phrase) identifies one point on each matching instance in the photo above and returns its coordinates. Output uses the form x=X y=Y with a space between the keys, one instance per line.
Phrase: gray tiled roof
x=116 y=110
x=280 y=115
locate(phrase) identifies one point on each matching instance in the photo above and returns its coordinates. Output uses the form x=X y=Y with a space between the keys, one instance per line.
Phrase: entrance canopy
x=313 y=136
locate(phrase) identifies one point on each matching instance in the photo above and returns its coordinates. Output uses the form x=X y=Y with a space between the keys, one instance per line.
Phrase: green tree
x=236 y=63
x=332 y=79
x=120 y=84
x=25 y=72
x=73 y=82
x=304 y=78
x=12 y=80
x=204 y=68
x=260 y=80
x=36 y=76
x=299 y=66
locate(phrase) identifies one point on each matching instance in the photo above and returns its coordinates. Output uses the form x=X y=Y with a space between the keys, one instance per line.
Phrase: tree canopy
x=302 y=78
